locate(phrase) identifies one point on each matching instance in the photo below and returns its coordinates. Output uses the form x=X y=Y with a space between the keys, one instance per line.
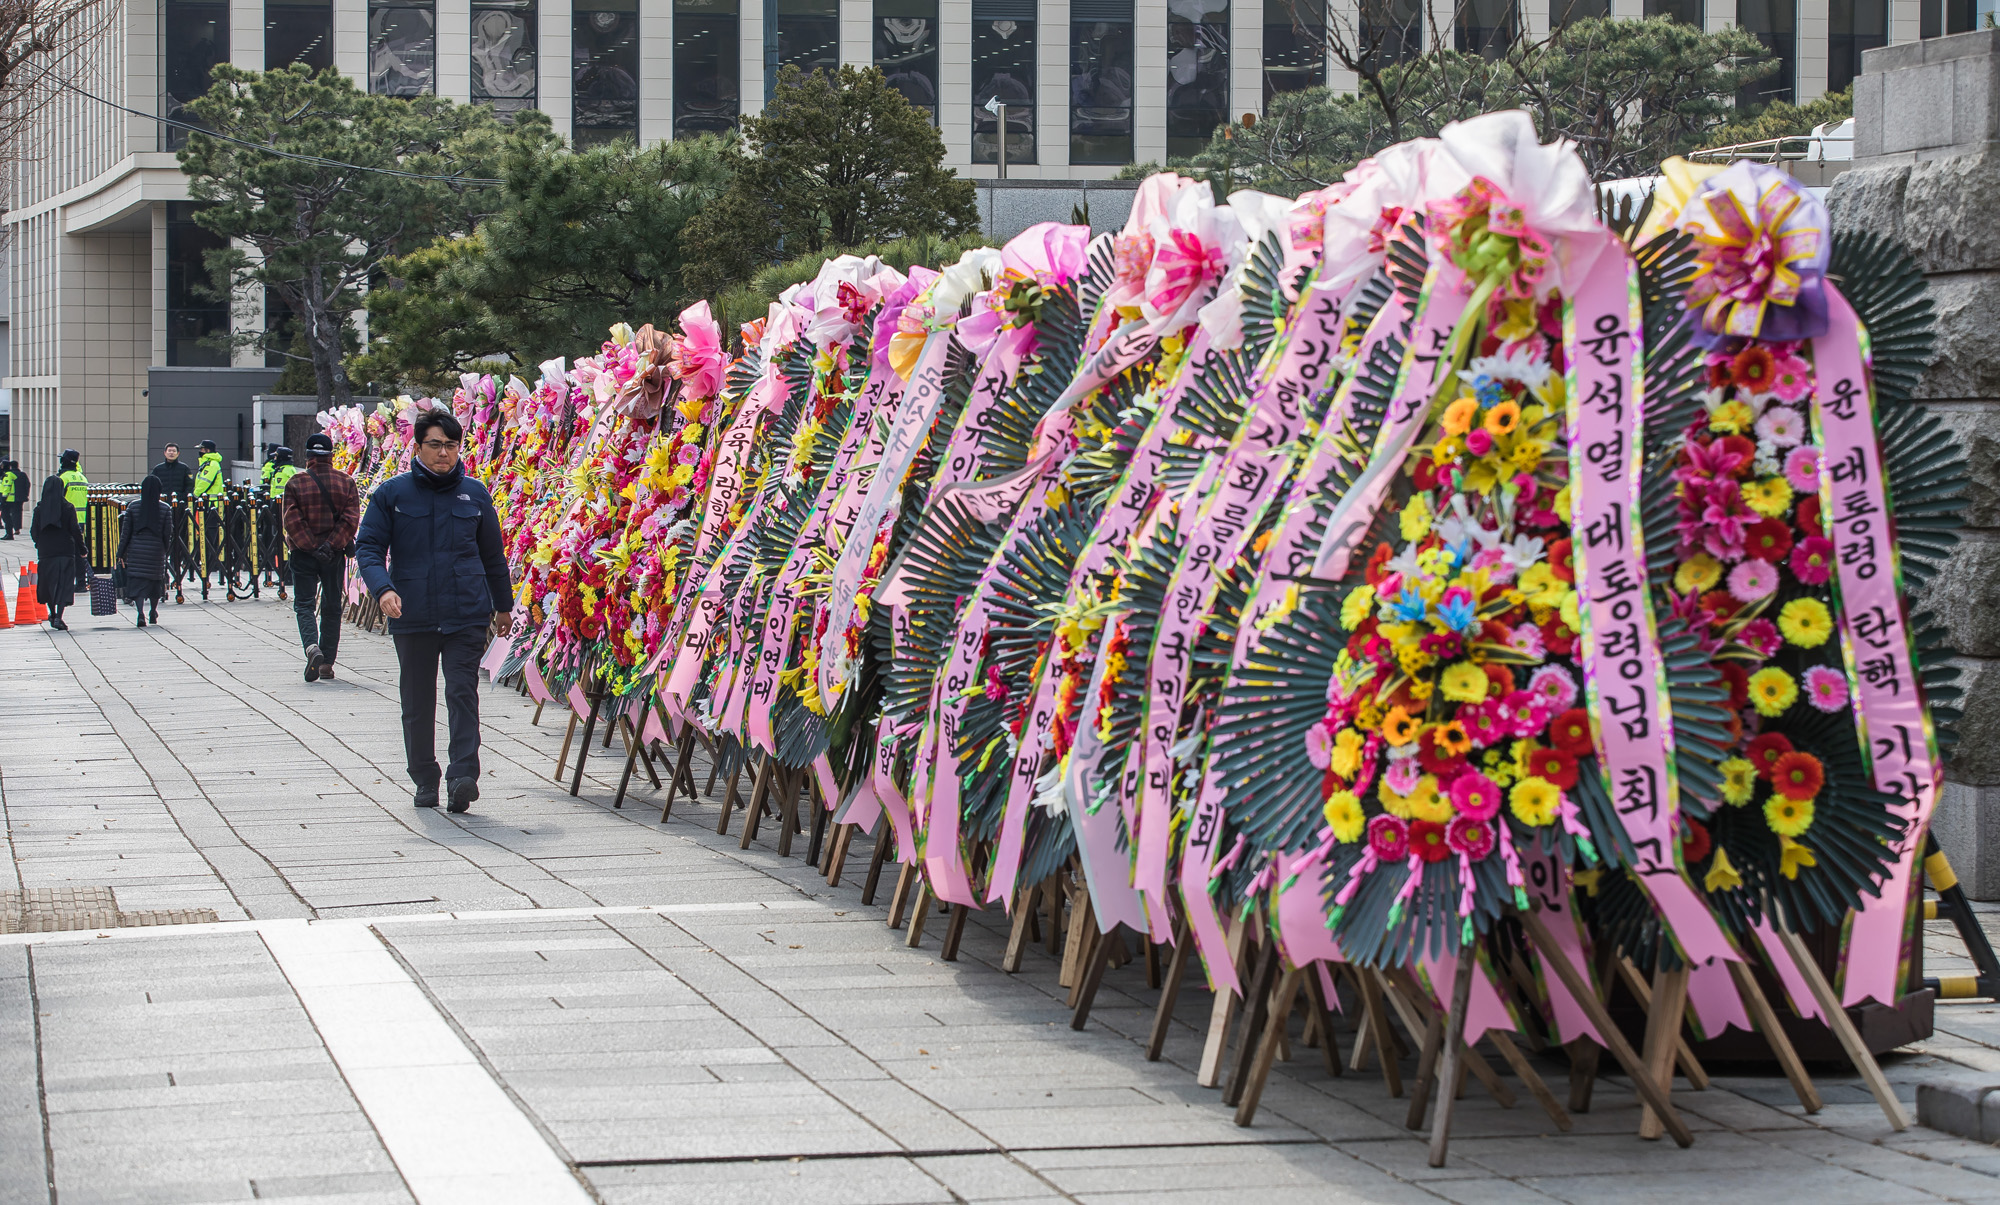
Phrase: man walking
x=444 y=582
x=322 y=513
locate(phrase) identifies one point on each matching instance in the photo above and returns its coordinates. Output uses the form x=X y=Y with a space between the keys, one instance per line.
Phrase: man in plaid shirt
x=322 y=513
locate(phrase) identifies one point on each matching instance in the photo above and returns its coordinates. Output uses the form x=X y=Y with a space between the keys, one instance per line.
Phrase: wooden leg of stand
x=1759 y=1007
x=537 y=720
x=1427 y=1057
x=1454 y=1051
x=1683 y=1054
x=583 y=745
x=816 y=831
x=1256 y=1011
x=953 y=933
x=836 y=858
x=1414 y=1003
x=1582 y=1072
x=1525 y=1072
x=1663 y=1031
x=728 y=801
x=1648 y=1088
x=1053 y=898
x=1017 y=932
x=625 y=779
x=1082 y=929
x=920 y=912
x=788 y=811
x=1267 y=1044
x=1329 y=1043
x=875 y=860
x=681 y=774
x=569 y=734
x=1222 y=1014
x=1093 y=977
x=906 y=878
x=1170 y=988
x=1843 y=1028
x=760 y=791
x=1379 y=1030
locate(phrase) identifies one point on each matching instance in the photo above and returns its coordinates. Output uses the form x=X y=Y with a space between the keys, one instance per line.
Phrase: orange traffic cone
x=4 y=621
x=26 y=608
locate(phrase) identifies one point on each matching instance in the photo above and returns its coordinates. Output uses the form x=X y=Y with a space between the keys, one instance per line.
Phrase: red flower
x=1754 y=368
x=1438 y=761
x=1376 y=559
x=1798 y=776
x=1807 y=515
x=1425 y=475
x=1570 y=732
x=1718 y=375
x=1737 y=678
x=1560 y=562
x=1720 y=603
x=1499 y=678
x=1558 y=638
x=1427 y=839
x=1765 y=751
x=1555 y=765
x=1744 y=450
x=1695 y=842
x=1768 y=540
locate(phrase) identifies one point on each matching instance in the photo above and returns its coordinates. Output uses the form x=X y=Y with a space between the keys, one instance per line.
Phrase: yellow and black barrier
x=1952 y=905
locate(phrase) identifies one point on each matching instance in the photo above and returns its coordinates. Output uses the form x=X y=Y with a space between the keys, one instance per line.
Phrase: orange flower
x=1502 y=419
x=1398 y=727
x=1798 y=776
x=1452 y=739
x=1458 y=416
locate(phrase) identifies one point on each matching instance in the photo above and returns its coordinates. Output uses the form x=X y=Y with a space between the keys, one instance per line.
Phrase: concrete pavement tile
x=888 y=1181
x=985 y=1177
x=1820 y=1184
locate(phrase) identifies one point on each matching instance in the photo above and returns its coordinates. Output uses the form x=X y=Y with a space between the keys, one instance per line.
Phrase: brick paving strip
x=548 y=1000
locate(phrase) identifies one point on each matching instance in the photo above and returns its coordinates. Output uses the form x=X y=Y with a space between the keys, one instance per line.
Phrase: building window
x=806 y=35
x=193 y=39
x=402 y=47
x=1003 y=70
x=1100 y=81
x=1197 y=73
x=1852 y=27
x=1392 y=31
x=605 y=56
x=298 y=31
x=1487 y=27
x=906 y=50
x=1939 y=17
x=503 y=55
x=706 y=71
x=192 y=314
x=1294 y=46
x=1773 y=21
x=1563 y=12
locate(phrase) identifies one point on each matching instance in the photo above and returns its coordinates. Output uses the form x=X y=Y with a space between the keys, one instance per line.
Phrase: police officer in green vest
x=270 y=467
x=76 y=486
x=208 y=477
x=13 y=492
x=282 y=470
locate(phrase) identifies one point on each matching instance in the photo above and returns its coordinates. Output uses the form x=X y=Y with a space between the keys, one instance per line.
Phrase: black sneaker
x=427 y=797
x=464 y=793
x=313 y=660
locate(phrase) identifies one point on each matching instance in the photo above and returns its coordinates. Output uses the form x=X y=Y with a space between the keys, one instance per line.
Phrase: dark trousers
x=10 y=517
x=419 y=654
x=317 y=600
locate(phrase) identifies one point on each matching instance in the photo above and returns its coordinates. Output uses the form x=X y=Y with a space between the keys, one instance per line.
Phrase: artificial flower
x=1344 y=816
x=1768 y=496
x=1788 y=817
x=1459 y=415
x=1765 y=751
x=1502 y=420
x=1812 y=560
x=1806 y=622
x=1553 y=764
x=1470 y=836
x=1753 y=579
x=1807 y=514
x=1721 y=875
x=1526 y=713
x=1356 y=607
x=1475 y=795
x=1345 y=756
x=1534 y=801
x=1754 y=368
x=1739 y=780
x=1416 y=517
x=1737 y=679
x=1802 y=469
x=1398 y=728
x=1319 y=745
x=1798 y=775
x=1767 y=540
x=1389 y=838
x=1695 y=842
x=1483 y=723
x=1553 y=682
x=1428 y=802
x=1772 y=691
x=1462 y=683
x=1781 y=427
x=1826 y=688
x=1452 y=738
x=1427 y=840
x=1432 y=756
x=1697 y=574
x=1759 y=636
x=1792 y=855
x=1729 y=418
x=1570 y=732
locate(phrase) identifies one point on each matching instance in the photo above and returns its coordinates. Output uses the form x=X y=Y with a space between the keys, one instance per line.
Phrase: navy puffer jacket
x=435 y=541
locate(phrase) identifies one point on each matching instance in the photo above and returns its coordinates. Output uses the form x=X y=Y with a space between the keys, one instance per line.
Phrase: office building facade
x=111 y=350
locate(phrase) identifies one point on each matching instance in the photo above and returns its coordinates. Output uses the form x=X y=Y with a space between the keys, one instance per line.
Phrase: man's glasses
x=438 y=445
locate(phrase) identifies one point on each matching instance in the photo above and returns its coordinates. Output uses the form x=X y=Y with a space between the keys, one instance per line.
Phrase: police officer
x=270 y=466
x=76 y=486
x=279 y=471
x=208 y=476
x=13 y=492
x=209 y=481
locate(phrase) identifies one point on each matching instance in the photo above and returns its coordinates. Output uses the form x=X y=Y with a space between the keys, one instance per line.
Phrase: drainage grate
x=60 y=909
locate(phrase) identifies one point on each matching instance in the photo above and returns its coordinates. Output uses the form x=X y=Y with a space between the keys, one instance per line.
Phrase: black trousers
x=10 y=517
x=317 y=600
x=420 y=654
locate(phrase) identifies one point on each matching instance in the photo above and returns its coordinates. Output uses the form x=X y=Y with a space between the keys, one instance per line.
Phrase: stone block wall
x=1927 y=172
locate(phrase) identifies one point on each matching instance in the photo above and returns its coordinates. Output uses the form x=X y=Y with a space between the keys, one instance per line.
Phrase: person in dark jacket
x=58 y=550
x=322 y=512
x=430 y=553
x=14 y=488
x=176 y=478
x=142 y=549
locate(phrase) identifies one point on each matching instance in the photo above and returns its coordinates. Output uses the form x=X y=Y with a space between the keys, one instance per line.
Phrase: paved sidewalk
x=547 y=1000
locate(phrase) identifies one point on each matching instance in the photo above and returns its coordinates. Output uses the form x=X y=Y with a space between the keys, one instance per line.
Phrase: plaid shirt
x=322 y=506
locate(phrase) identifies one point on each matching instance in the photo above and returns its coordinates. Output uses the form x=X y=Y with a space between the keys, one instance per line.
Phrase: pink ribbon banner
x=1624 y=675
x=1897 y=741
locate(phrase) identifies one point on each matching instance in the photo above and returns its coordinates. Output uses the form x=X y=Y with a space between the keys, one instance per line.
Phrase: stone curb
x=1966 y=1108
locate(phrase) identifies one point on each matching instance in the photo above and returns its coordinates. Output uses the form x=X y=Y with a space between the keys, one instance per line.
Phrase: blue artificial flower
x=1488 y=391
x=1456 y=613
x=1409 y=606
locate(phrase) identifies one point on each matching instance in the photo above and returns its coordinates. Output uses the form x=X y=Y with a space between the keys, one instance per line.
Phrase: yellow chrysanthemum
x=1344 y=816
x=1413 y=659
x=1528 y=454
x=1416 y=518
x=1345 y=759
x=1772 y=691
x=1538 y=579
x=1730 y=418
x=1355 y=607
x=1769 y=496
x=1426 y=802
x=1788 y=817
x=1534 y=801
x=1806 y=622
x=1739 y=780
x=1697 y=574
x=1459 y=415
x=1464 y=683
x=1561 y=504
x=1395 y=804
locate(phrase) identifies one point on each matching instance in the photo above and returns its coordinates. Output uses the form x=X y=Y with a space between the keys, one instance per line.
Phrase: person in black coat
x=430 y=553
x=58 y=551
x=142 y=549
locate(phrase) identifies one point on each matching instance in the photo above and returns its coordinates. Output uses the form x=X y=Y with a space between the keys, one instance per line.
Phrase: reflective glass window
x=1687 y=12
x=1003 y=70
x=1392 y=31
x=1487 y=27
x=1100 y=81
x=1294 y=45
x=706 y=67
x=503 y=55
x=402 y=48
x=1852 y=27
x=604 y=59
x=1775 y=24
x=1197 y=73
x=191 y=314
x=193 y=39
x=298 y=31
x=906 y=50
x=808 y=37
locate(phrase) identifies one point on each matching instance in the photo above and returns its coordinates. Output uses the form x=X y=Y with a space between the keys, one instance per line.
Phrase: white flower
x=975 y=270
x=1765 y=465
x=1514 y=363
x=1523 y=552
x=1782 y=427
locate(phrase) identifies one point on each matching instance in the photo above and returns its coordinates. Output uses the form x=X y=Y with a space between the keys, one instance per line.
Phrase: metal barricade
x=232 y=541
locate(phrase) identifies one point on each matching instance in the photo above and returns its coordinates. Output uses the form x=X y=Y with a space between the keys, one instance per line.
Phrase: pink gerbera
x=1552 y=682
x=1753 y=579
x=1812 y=560
x=1802 y=469
x=1792 y=379
x=1475 y=796
x=1826 y=688
x=1527 y=713
x=1469 y=836
x=1319 y=745
x=1760 y=636
x=1389 y=837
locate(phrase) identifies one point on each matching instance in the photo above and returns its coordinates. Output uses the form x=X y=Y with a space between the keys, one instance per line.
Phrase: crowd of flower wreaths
x=1379 y=564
